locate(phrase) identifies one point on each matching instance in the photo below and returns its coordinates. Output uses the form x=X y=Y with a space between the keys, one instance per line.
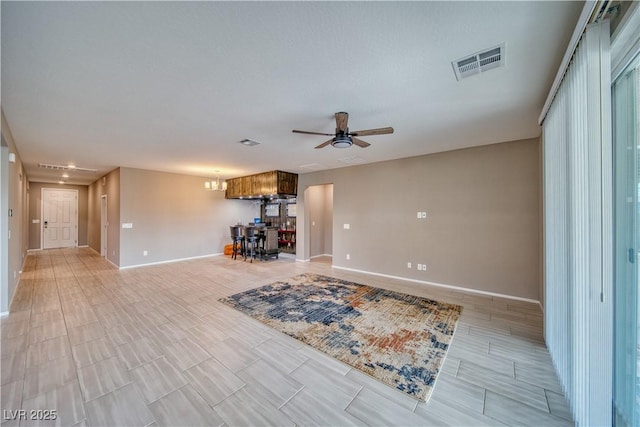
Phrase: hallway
x=153 y=346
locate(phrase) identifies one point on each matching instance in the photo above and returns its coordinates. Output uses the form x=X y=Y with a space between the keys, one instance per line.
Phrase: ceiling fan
x=343 y=138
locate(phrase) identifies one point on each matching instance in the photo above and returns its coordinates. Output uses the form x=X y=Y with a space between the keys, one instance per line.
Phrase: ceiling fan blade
x=341 y=121
x=324 y=144
x=367 y=132
x=311 y=133
x=360 y=143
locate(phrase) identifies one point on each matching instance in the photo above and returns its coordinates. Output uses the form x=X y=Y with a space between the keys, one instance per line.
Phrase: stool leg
x=244 y=251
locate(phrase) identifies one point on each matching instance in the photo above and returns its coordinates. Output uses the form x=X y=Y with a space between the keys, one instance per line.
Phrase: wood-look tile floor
x=153 y=346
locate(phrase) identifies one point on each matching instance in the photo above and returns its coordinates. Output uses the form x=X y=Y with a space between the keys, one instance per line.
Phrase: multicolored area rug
x=399 y=339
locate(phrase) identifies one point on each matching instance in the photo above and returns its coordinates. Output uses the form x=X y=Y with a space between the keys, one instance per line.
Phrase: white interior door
x=59 y=218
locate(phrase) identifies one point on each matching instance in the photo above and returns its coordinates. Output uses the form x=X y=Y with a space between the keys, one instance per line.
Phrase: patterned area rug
x=399 y=339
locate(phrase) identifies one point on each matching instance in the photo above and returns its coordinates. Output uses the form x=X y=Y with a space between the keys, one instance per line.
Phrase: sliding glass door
x=626 y=123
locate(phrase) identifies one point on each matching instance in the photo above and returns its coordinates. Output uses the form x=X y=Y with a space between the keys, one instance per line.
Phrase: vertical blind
x=577 y=215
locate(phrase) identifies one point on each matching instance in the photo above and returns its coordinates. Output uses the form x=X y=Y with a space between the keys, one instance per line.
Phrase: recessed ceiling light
x=65 y=175
x=249 y=142
x=71 y=166
x=60 y=182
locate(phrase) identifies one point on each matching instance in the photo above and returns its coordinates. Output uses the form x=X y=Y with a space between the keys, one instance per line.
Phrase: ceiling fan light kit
x=343 y=138
x=342 y=141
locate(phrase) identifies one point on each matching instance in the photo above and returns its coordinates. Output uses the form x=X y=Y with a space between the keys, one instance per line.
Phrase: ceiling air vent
x=66 y=168
x=479 y=62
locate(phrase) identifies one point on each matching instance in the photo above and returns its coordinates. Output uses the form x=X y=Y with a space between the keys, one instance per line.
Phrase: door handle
x=632 y=255
x=46 y=223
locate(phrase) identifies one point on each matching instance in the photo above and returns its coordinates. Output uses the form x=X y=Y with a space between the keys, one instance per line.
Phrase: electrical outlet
x=408 y=265
x=145 y=253
x=348 y=256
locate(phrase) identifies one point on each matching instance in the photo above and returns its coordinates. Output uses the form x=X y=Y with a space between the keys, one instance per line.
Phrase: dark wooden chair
x=238 y=241
x=250 y=241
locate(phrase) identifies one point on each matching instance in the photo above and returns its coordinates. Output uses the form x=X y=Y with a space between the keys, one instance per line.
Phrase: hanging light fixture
x=216 y=185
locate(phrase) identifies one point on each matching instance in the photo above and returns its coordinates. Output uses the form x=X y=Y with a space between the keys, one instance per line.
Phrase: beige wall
x=482 y=230
x=14 y=231
x=35 y=211
x=174 y=217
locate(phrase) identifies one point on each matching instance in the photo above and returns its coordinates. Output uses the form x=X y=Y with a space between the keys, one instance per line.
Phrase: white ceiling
x=174 y=86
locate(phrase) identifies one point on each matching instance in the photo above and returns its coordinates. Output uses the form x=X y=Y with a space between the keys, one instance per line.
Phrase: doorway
x=104 y=224
x=319 y=199
x=59 y=218
x=626 y=115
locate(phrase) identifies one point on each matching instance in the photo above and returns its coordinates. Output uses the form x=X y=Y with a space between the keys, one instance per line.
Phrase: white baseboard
x=315 y=256
x=441 y=285
x=109 y=261
x=40 y=249
x=24 y=260
x=170 y=261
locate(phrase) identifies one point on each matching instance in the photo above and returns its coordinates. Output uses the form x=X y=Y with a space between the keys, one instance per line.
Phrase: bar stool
x=238 y=240
x=251 y=239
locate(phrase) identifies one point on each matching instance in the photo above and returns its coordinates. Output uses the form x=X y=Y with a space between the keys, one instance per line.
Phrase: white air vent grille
x=352 y=160
x=249 y=142
x=479 y=62
x=66 y=168
x=313 y=167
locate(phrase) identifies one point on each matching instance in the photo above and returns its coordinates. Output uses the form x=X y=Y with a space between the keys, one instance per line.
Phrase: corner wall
x=174 y=217
x=13 y=228
x=482 y=230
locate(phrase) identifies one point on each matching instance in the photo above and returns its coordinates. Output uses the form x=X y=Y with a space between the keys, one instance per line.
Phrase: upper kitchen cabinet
x=267 y=184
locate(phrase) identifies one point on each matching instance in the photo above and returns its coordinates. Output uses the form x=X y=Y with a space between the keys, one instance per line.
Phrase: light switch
x=127 y=225
x=347 y=226
x=35 y=221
